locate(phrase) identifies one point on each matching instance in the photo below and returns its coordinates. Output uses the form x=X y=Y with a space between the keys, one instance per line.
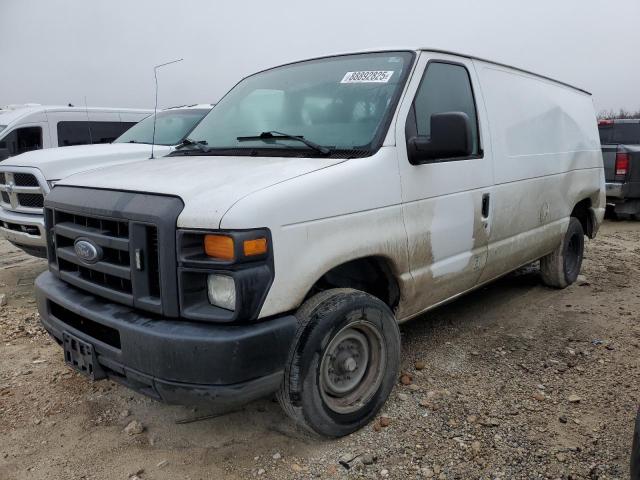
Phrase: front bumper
x=173 y=360
x=23 y=229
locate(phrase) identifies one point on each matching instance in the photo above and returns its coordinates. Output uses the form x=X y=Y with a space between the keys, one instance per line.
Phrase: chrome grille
x=21 y=192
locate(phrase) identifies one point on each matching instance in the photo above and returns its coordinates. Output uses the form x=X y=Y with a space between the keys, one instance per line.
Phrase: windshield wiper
x=274 y=135
x=193 y=145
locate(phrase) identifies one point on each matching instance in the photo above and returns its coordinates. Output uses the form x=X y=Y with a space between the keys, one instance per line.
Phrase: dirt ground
x=515 y=381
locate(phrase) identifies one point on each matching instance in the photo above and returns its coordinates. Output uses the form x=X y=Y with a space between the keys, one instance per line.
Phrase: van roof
x=447 y=52
x=11 y=113
x=473 y=57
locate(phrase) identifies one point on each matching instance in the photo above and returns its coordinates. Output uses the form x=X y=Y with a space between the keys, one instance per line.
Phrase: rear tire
x=343 y=363
x=561 y=268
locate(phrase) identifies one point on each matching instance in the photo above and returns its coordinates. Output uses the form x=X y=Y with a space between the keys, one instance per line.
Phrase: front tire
x=561 y=267
x=343 y=363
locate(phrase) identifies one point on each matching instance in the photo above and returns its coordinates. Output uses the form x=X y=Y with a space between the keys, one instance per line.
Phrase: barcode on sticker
x=372 y=76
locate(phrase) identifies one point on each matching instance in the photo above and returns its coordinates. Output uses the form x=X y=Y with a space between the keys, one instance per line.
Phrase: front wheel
x=561 y=267
x=343 y=363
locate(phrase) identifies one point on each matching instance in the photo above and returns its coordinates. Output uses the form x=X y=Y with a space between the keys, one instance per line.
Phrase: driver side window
x=445 y=87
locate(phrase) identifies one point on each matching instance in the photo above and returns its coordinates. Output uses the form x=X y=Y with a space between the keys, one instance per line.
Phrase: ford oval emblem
x=87 y=251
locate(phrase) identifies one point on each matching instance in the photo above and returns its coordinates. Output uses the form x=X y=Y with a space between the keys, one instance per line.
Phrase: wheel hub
x=347 y=359
x=351 y=367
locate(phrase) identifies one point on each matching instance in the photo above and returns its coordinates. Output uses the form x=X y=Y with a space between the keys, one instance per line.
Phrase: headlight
x=224 y=275
x=52 y=183
x=222 y=291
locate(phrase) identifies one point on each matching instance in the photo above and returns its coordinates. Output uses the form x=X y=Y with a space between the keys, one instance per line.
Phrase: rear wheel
x=561 y=268
x=343 y=364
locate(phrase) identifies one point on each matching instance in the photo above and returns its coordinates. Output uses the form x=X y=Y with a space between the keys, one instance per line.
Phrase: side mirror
x=450 y=138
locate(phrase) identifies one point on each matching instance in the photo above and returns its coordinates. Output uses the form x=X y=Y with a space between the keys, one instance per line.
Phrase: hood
x=57 y=163
x=207 y=185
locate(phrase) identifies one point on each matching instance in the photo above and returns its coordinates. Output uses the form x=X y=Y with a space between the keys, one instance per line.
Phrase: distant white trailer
x=32 y=127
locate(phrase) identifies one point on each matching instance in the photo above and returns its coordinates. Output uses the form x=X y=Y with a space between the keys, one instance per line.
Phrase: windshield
x=172 y=126
x=342 y=103
x=624 y=133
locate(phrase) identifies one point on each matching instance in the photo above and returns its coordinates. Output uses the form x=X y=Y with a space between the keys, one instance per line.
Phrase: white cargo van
x=26 y=179
x=24 y=128
x=326 y=201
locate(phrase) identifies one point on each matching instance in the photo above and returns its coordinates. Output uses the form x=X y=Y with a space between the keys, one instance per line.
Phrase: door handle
x=486 y=197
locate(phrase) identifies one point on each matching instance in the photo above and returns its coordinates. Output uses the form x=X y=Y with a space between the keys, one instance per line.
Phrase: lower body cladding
x=25 y=231
x=172 y=360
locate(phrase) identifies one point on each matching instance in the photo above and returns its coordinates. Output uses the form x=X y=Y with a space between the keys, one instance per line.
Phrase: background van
x=26 y=179
x=32 y=127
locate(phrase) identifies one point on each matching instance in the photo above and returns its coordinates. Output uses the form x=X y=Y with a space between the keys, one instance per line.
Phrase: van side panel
x=47 y=141
x=547 y=158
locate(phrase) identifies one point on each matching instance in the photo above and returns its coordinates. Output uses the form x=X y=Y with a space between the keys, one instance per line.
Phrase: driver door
x=446 y=201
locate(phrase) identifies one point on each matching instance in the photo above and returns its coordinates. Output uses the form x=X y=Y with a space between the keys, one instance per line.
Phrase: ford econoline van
x=318 y=205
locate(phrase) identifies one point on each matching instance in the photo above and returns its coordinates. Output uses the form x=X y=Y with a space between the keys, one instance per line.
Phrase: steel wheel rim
x=352 y=367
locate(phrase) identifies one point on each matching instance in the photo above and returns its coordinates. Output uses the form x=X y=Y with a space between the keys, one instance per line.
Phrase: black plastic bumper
x=175 y=361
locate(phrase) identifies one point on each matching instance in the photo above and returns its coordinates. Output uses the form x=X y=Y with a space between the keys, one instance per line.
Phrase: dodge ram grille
x=21 y=192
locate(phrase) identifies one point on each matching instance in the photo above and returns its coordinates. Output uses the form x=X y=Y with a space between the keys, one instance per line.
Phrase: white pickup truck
x=322 y=203
x=26 y=179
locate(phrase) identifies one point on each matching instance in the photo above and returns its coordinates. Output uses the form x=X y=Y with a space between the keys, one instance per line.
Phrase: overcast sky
x=59 y=51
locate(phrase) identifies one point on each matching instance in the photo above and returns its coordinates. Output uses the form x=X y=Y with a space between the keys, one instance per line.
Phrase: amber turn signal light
x=257 y=246
x=219 y=246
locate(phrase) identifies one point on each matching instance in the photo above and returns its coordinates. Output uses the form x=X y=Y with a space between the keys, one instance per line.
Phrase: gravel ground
x=514 y=381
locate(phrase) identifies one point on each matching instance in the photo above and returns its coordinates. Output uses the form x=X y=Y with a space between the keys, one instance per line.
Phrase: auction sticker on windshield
x=371 y=76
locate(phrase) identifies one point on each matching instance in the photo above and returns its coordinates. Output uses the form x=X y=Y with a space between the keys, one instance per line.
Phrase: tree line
x=622 y=113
